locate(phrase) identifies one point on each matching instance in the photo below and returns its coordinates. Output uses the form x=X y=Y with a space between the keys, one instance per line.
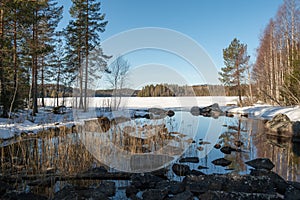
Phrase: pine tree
x=83 y=35
x=235 y=60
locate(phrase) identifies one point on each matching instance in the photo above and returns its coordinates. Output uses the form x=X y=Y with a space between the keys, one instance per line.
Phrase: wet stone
x=181 y=170
x=189 y=159
x=155 y=194
x=261 y=163
x=186 y=195
x=222 y=162
x=145 y=181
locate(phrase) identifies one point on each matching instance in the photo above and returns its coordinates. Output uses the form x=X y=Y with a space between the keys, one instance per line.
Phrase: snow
x=268 y=112
x=45 y=119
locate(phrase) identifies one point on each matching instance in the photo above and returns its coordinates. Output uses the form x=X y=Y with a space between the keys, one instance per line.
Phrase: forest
x=35 y=56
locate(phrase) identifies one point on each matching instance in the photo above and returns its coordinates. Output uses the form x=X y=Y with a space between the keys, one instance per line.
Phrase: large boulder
x=280 y=124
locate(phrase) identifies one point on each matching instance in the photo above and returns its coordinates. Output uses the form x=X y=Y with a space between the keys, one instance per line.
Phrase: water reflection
x=69 y=154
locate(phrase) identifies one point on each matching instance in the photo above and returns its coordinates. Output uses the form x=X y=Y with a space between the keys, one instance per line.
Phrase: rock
x=176 y=187
x=173 y=187
x=222 y=195
x=222 y=161
x=4 y=187
x=229 y=114
x=281 y=124
x=59 y=110
x=261 y=163
x=189 y=159
x=277 y=181
x=70 y=192
x=229 y=183
x=108 y=188
x=195 y=111
x=145 y=116
x=202 y=167
x=217 y=146
x=238 y=143
x=170 y=113
x=158 y=111
x=200 y=148
x=196 y=173
x=145 y=181
x=154 y=194
x=22 y=196
x=186 y=195
x=227 y=149
x=131 y=190
x=181 y=170
x=204 y=143
x=211 y=111
x=292 y=193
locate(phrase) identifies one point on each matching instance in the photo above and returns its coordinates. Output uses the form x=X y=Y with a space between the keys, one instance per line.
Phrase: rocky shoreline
x=261 y=183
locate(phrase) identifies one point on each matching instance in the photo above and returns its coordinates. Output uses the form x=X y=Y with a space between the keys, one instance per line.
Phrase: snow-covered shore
x=267 y=111
x=10 y=128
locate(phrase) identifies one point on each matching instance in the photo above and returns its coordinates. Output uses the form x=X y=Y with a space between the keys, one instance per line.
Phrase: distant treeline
x=163 y=90
x=158 y=90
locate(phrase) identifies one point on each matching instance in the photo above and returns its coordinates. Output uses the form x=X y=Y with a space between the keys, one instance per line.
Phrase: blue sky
x=211 y=23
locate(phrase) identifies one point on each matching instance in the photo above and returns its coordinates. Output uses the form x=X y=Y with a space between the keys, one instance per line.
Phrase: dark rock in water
x=280 y=124
x=221 y=161
x=189 y=159
x=176 y=187
x=195 y=111
x=202 y=167
x=276 y=181
x=204 y=142
x=229 y=114
x=173 y=187
x=186 y=195
x=217 y=146
x=155 y=194
x=70 y=192
x=197 y=173
x=238 y=143
x=170 y=113
x=59 y=110
x=222 y=195
x=292 y=193
x=108 y=188
x=261 y=163
x=211 y=111
x=131 y=190
x=227 y=149
x=4 y=187
x=145 y=181
x=157 y=111
x=22 y=196
x=229 y=183
x=181 y=170
x=145 y=116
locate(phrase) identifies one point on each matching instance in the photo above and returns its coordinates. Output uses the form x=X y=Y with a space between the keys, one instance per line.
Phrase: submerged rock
x=261 y=163
x=222 y=162
x=189 y=159
x=170 y=113
x=227 y=149
x=181 y=170
x=217 y=146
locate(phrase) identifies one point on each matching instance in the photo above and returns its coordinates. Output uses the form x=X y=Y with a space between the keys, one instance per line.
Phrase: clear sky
x=211 y=23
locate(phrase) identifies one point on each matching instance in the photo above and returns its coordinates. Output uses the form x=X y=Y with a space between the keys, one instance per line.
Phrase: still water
x=193 y=136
